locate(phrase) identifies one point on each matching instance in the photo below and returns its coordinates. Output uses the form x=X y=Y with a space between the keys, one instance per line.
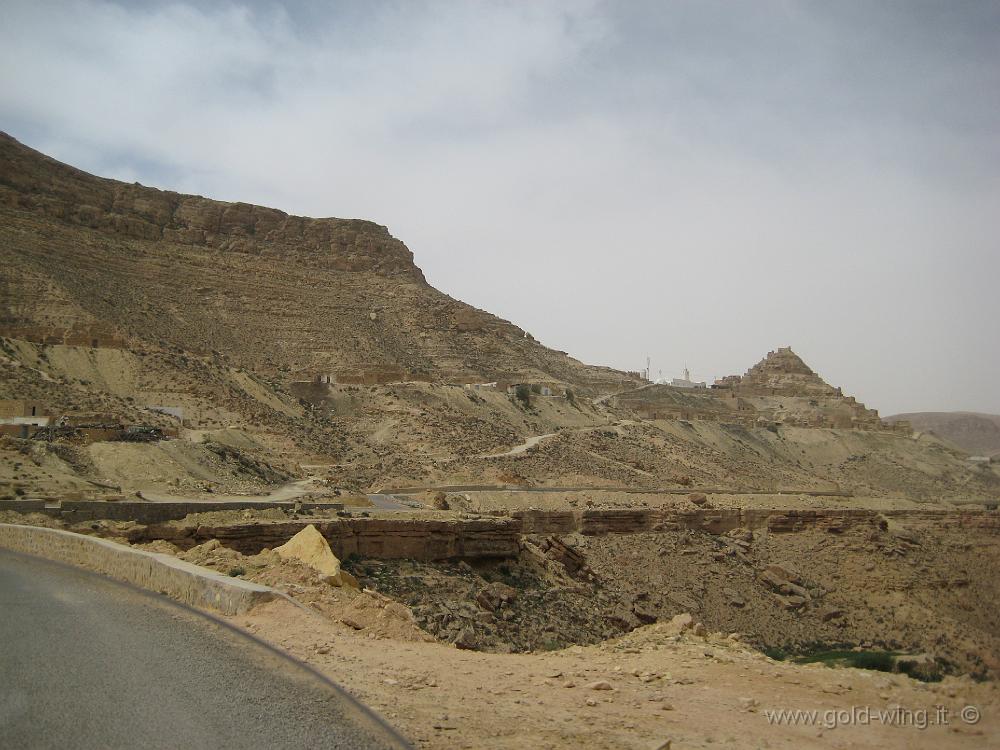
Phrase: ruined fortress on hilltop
x=781 y=389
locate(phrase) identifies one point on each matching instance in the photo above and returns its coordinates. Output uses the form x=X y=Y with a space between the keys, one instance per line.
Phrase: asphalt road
x=86 y=662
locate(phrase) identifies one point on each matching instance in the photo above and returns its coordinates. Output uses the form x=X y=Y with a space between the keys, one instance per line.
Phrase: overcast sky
x=695 y=182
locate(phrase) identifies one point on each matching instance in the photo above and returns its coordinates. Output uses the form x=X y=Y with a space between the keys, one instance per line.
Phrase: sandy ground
x=695 y=691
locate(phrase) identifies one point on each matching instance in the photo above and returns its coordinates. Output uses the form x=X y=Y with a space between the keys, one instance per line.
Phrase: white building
x=686 y=381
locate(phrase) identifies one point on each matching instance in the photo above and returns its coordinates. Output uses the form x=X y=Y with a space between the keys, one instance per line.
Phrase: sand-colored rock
x=310 y=547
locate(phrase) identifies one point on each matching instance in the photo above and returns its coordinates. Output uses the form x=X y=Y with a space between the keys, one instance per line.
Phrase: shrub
x=880 y=661
x=920 y=670
x=523 y=394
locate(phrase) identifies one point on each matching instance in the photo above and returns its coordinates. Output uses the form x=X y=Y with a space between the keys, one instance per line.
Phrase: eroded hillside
x=320 y=344
x=87 y=260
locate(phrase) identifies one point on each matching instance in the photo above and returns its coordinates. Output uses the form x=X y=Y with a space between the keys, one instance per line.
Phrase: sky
x=693 y=182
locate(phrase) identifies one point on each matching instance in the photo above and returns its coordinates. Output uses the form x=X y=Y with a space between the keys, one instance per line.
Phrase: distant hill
x=979 y=434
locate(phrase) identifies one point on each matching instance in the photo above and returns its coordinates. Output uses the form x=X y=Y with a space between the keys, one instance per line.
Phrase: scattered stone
x=784 y=571
x=792 y=602
x=495 y=595
x=733 y=598
x=467 y=639
x=683 y=600
x=600 y=685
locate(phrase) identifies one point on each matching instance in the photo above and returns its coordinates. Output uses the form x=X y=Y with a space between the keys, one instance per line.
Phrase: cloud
x=699 y=182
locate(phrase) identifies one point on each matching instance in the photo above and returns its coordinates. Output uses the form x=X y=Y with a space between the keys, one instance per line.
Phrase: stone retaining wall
x=386 y=538
x=156 y=572
x=493 y=538
x=73 y=511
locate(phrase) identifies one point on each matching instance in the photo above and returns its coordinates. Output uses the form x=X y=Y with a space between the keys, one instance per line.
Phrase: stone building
x=17 y=408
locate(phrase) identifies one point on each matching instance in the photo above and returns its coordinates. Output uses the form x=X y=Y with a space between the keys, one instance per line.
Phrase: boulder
x=795 y=590
x=467 y=639
x=784 y=571
x=791 y=602
x=495 y=595
x=309 y=547
x=733 y=598
x=744 y=535
x=679 y=624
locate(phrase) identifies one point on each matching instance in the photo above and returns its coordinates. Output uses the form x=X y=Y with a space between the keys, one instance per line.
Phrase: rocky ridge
x=93 y=261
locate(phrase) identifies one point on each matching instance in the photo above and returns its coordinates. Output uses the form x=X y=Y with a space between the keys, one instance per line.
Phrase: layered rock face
x=92 y=261
x=35 y=183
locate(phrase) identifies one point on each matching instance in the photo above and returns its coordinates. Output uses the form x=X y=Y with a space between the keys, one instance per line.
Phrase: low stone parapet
x=157 y=572
x=386 y=538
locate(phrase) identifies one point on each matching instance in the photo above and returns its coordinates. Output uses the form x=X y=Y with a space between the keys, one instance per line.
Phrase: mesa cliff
x=96 y=262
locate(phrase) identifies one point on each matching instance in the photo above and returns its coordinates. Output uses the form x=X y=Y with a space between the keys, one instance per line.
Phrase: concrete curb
x=149 y=570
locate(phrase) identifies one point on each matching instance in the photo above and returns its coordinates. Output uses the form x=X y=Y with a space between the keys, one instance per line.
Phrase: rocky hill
x=93 y=261
x=316 y=346
x=780 y=389
x=783 y=372
x=978 y=434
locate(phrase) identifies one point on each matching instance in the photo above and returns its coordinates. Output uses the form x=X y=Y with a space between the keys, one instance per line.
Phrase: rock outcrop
x=309 y=547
